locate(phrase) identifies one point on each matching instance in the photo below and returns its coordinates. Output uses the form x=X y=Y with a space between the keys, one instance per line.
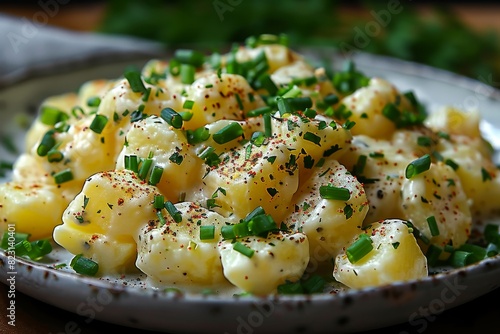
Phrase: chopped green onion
x=424 y=141
x=359 y=248
x=485 y=174
x=198 y=135
x=268 y=130
x=84 y=265
x=51 y=115
x=309 y=136
x=18 y=237
x=478 y=252
x=492 y=233
x=98 y=123
x=46 y=144
x=432 y=254
x=331 y=99
x=132 y=163
x=290 y=288
x=259 y=111
x=187 y=73
x=492 y=249
x=94 y=101
x=207 y=232
x=261 y=224
x=159 y=202
x=156 y=175
x=174 y=213
x=173 y=118
x=431 y=221
x=334 y=193
x=230 y=132
x=245 y=250
x=284 y=106
x=418 y=166
x=135 y=81
x=63 y=176
x=188 y=104
x=268 y=84
x=240 y=103
x=55 y=156
x=315 y=284
x=191 y=57
x=451 y=163
x=227 y=232
x=145 y=168
x=460 y=259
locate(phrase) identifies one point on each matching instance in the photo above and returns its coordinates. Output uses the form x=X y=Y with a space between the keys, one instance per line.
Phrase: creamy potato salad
x=254 y=169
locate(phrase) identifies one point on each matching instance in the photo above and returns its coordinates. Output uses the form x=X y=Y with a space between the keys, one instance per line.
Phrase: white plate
x=130 y=303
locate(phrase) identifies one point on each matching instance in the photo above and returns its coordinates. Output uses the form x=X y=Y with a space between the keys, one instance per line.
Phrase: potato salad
x=254 y=169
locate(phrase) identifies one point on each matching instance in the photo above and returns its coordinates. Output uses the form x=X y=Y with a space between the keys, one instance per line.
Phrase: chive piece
x=284 y=106
x=94 y=101
x=207 y=232
x=432 y=254
x=359 y=248
x=259 y=111
x=156 y=175
x=18 y=237
x=376 y=155
x=132 y=163
x=46 y=144
x=290 y=288
x=268 y=84
x=188 y=104
x=492 y=249
x=309 y=136
x=314 y=284
x=300 y=103
x=240 y=103
x=51 y=115
x=451 y=163
x=360 y=165
x=98 y=123
x=334 y=193
x=331 y=99
x=187 y=73
x=268 y=131
x=492 y=233
x=173 y=118
x=241 y=230
x=431 y=221
x=230 y=132
x=418 y=166
x=135 y=81
x=63 y=176
x=191 y=57
x=55 y=156
x=460 y=259
x=145 y=167
x=245 y=250
x=174 y=213
x=197 y=136
x=159 y=202
x=424 y=141
x=227 y=232
x=161 y=218
x=255 y=212
x=261 y=224
x=84 y=265
x=485 y=174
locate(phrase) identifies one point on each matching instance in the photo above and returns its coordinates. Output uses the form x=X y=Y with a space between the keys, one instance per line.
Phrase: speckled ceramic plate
x=128 y=301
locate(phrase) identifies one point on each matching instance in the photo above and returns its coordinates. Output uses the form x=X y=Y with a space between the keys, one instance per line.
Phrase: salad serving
x=253 y=171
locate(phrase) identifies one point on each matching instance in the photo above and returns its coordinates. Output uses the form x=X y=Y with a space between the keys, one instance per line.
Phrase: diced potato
x=115 y=205
x=264 y=177
x=173 y=254
x=396 y=256
x=169 y=150
x=328 y=223
x=366 y=105
x=276 y=259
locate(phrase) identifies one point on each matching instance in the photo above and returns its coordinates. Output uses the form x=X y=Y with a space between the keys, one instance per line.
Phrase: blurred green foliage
x=438 y=39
